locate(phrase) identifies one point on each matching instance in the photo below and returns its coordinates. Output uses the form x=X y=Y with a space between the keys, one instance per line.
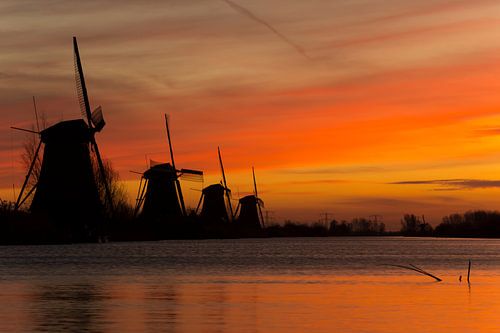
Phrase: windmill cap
x=160 y=170
x=69 y=131
x=248 y=199
x=214 y=189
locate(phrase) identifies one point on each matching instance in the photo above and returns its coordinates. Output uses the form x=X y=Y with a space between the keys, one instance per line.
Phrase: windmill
x=250 y=209
x=214 y=205
x=66 y=190
x=160 y=193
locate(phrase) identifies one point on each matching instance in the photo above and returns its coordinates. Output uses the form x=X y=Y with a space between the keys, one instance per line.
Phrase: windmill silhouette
x=214 y=209
x=66 y=191
x=250 y=209
x=160 y=194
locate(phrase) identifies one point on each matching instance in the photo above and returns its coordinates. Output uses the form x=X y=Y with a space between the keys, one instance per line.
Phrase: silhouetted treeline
x=470 y=224
x=296 y=229
x=357 y=227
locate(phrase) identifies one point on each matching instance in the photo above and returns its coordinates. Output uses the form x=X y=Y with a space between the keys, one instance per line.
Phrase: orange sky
x=333 y=101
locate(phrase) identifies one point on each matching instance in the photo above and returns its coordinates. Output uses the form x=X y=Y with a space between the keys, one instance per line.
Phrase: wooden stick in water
x=468 y=273
x=419 y=270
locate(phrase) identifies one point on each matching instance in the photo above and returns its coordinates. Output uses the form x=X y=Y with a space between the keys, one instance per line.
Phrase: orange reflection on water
x=356 y=303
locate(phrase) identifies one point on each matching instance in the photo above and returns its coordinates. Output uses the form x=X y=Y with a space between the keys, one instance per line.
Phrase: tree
x=120 y=207
x=411 y=225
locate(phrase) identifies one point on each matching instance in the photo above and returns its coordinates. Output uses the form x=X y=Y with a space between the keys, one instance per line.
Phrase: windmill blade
x=81 y=88
x=36 y=115
x=30 y=170
x=193 y=172
x=141 y=192
x=259 y=202
x=254 y=183
x=98 y=119
x=199 y=203
x=28 y=194
x=24 y=130
x=192 y=178
x=228 y=192
x=177 y=183
x=169 y=142
x=103 y=175
x=237 y=209
x=191 y=175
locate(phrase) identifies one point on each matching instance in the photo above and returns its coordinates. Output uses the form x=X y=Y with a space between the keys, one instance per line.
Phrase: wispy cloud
x=334 y=170
x=486 y=132
x=453 y=184
x=249 y=14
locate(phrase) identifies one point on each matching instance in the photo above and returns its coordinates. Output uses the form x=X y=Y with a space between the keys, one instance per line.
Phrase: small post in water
x=468 y=273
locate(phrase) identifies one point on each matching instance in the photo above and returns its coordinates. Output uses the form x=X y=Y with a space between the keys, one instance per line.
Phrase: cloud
x=383 y=202
x=249 y=14
x=453 y=184
x=486 y=132
x=334 y=170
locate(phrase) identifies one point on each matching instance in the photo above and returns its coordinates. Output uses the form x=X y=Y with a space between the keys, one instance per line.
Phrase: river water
x=252 y=285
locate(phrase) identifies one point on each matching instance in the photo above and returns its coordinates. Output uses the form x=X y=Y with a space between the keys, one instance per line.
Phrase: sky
x=351 y=108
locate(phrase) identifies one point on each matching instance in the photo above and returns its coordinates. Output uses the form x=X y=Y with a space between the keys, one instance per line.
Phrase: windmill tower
x=160 y=195
x=66 y=191
x=250 y=209
x=214 y=209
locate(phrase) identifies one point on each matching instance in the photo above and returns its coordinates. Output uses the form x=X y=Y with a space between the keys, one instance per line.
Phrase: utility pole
x=326 y=218
x=268 y=216
x=375 y=217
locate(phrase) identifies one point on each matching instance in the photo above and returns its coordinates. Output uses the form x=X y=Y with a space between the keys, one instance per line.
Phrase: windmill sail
x=81 y=89
x=227 y=191
x=83 y=100
x=98 y=119
x=192 y=175
x=177 y=183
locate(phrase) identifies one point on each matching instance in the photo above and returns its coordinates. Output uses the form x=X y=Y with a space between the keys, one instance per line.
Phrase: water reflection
x=404 y=303
x=63 y=308
x=302 y=286
x=161 y=308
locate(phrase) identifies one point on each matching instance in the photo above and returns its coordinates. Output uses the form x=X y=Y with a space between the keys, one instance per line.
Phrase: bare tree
x=120 y=205
x=28 y=154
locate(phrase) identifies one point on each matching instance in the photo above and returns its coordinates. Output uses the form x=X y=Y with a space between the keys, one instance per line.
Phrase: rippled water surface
x=252 y=285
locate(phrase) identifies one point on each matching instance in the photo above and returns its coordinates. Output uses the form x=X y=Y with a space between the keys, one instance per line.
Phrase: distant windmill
x=160 y=194
x=212 y=197
x=66 y=190
x=250 y=209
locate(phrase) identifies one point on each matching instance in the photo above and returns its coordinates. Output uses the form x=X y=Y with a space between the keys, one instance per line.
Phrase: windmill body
x=66 y=192
x=249 y=214
x=214 y=209
x=161 y=202
x=250 y=209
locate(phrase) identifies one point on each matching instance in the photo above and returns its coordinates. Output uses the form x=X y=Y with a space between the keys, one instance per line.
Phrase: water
x=252 y=285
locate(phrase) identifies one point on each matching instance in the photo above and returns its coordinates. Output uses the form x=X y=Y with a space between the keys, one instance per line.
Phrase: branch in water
x=419 y=270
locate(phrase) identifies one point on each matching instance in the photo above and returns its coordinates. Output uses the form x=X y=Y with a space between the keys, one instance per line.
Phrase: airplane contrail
x=252 y=16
